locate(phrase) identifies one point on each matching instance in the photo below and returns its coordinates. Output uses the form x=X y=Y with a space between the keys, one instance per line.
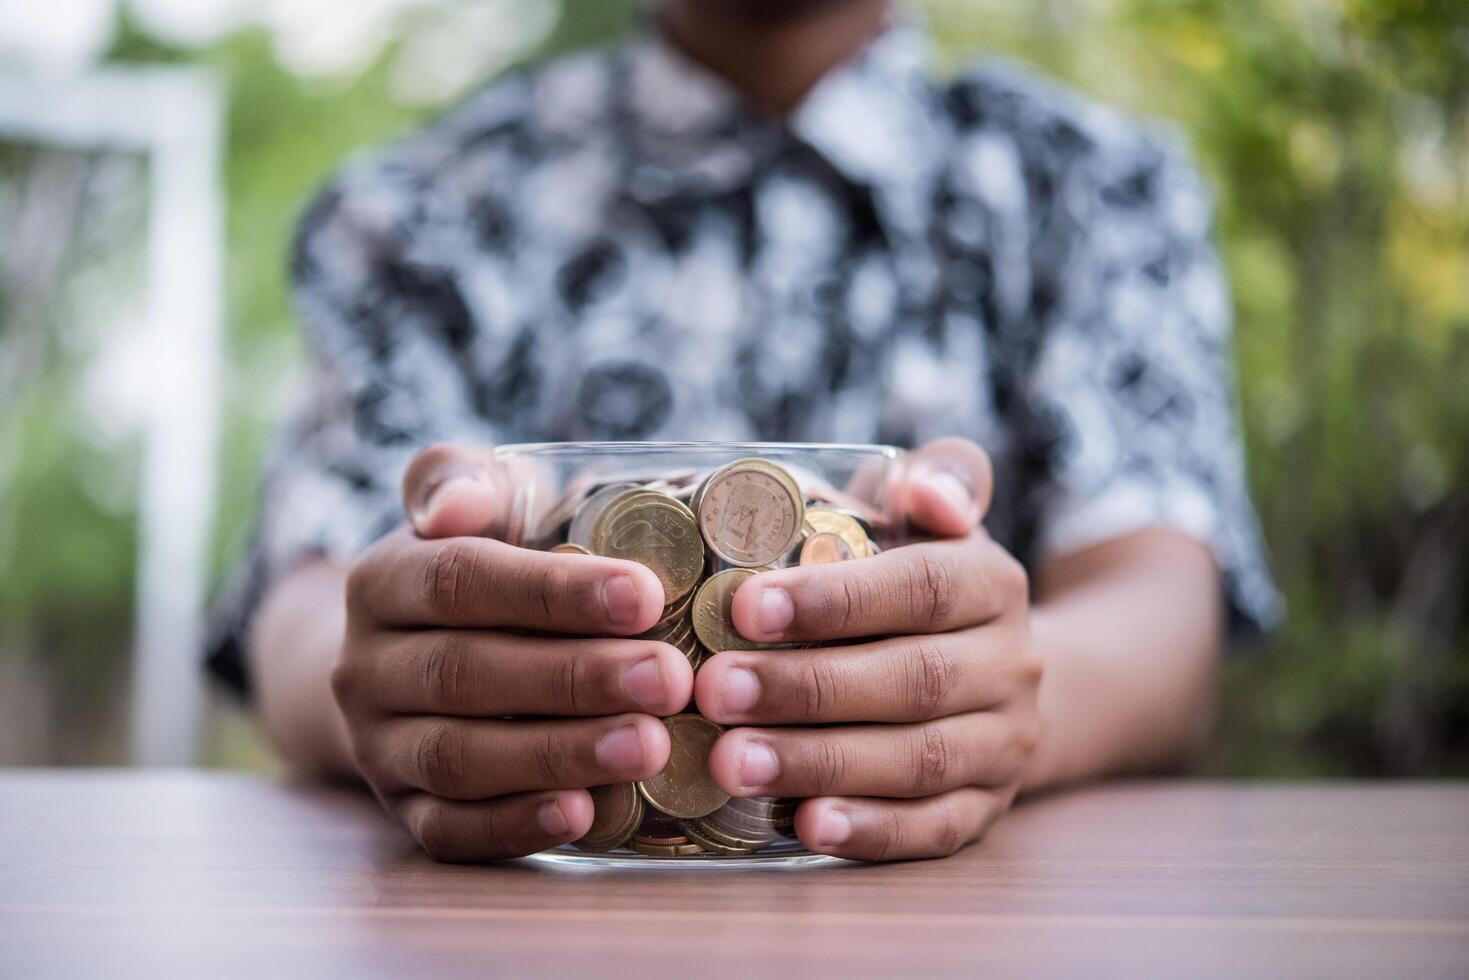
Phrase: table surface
x=131 y=873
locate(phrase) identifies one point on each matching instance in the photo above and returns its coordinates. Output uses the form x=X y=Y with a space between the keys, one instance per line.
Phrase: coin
x=697 y=658
x=579 y=532
x=751 y=837
x=824 y=548
x=674 y=611
x=662 y=836
x=655 y=530
x=825 y=520
x=684 y=788
x=568 y=548
x=617 y=811
x=750 y=512
x=714 y=843
x=685 y=849
x=757 y=814
x=712 y=605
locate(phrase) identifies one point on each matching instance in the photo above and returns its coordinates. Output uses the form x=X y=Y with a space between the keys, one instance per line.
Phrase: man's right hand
x=478 y=738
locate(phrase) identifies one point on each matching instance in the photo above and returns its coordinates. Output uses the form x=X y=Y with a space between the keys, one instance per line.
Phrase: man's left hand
x=927 y=732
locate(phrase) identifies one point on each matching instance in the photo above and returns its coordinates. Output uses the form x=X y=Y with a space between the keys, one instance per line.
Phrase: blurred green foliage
x=1336 y=134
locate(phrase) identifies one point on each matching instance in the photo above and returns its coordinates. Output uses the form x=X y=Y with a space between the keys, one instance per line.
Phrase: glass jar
x=704 y=516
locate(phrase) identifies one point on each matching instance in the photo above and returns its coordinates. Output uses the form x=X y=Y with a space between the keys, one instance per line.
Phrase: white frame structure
x=173 y=117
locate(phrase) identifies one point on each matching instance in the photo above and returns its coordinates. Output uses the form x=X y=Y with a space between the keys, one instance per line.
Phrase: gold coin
x=684 y=788
x=750 y=512
x=567 y=548
x=711 y=613
x=617 y=812
x=655 y=530
x=824 y=520
x=824 y=548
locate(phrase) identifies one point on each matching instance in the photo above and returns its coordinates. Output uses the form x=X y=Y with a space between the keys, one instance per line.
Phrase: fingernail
x=621 y=750
x=441 y=491
x=775 y=612
x=740 y=690
x=643 y=683
x=620 y=597
x=758 y=765
x=834 y=828
x=952 y=489
x=552 y=820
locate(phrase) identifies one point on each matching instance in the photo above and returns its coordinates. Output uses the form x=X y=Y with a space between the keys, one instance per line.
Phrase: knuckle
x=551 y=759
x=346 y=680
x=889 y=840
x=548 y=590
x=818 y=688
x=1011 y=581
x=949 y=831
x=442 y=671
x=931 y=761
x=1031 y=670
x=565 y=680
x=930 y=588
x=830 y=766
x=841 y=604
x=930 y=677
x=1020 y=748
x=436 y=834
x=447 y=579
x=440 y=760
x=359 y=584
x=497 y=838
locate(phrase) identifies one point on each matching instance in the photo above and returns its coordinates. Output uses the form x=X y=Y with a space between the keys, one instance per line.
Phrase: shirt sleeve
x=1131 y=383
x=381 y=381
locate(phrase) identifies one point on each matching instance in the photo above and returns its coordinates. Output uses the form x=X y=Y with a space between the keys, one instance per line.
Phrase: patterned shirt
x=614 y=246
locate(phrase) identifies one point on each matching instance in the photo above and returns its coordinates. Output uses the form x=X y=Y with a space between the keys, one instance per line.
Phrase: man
x=758 y=219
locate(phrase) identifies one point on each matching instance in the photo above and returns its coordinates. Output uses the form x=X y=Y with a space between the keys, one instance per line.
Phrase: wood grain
x=117 y=873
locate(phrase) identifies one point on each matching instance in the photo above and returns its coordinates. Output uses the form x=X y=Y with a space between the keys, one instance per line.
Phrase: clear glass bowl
x=704 y=516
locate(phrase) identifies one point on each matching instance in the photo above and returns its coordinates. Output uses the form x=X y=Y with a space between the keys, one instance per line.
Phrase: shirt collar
x=691 y=135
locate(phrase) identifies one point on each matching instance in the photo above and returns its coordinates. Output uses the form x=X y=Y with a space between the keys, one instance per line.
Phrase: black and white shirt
x=613 y=246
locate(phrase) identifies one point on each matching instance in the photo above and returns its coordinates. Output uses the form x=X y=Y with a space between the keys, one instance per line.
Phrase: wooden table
x=118 y=873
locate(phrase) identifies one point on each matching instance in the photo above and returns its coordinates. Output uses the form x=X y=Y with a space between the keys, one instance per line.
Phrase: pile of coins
x=703 y=535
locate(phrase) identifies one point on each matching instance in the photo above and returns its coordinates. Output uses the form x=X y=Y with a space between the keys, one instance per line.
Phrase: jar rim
x=748 y=448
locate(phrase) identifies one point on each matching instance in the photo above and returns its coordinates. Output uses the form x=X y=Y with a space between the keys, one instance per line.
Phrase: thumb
x=451 y=490
x=945 y=487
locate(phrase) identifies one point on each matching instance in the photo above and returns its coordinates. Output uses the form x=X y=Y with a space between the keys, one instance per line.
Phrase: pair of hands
x=926 y=733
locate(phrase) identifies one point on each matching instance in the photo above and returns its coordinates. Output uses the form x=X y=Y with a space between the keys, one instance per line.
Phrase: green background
x=1336 y=136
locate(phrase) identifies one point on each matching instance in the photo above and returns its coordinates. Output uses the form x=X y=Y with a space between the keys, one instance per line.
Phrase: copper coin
x=750 y=512
x=824 y=548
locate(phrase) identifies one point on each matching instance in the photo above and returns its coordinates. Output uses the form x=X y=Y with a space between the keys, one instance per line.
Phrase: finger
x=511 y=826
x=931 y=587
x=451 y=490
x=481 y=673
x=476 y=582
x=904 y=679
x=897 y=830
x=459 y=759
x=904 y=761
x=945 y=487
